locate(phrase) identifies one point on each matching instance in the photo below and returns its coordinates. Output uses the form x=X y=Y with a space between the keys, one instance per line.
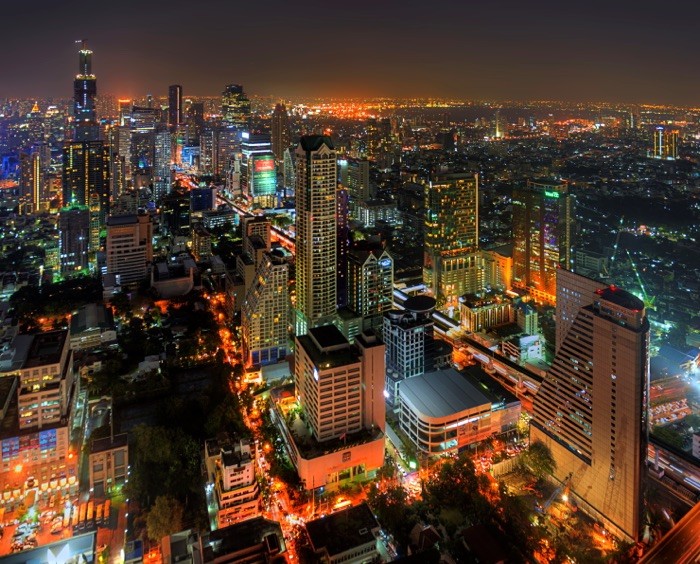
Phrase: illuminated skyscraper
x=174 y=106
x=452 y=263
x=342 y=245
x=129 y=247
x=162 y=157
x=543 y=217
x=265 y=313
x=281 y=136
x=74 y=243
x=34 y=182
x=316 y=232
x=591 y=408
x=665 y=144
x=235 y=107
x=85 y=124
x=258 y=171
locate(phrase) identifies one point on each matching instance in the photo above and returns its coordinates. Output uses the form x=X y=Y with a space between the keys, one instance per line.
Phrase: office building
x=235 y=107
x=340 y=388
x=129 y=247
x=280 y=133
x=543 y=215
x=485 y=311
x=231 y=465
x=265 y=313
x=85 y=125
x=202 y=199
x=74 y=240
x=591 y=408
x=498 y=268
x=174 y=106
x=452 y=262
x=665 y=144
x=162 y=164
x=316 y=232
x=258 y=170
x=86 y=173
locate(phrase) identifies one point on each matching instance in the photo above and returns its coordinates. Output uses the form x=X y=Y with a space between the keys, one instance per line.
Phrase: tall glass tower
x=543 y=213
x=86 y=127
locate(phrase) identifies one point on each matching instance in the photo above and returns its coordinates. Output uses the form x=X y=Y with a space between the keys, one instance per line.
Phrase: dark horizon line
x=403 y=98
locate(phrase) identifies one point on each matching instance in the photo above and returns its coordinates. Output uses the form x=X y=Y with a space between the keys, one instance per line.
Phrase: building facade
x=265 y=313
x=543 y=215
x=129 y=247
x=316 y=233
x=452 y=263
x=231 y=469
x=591 y=409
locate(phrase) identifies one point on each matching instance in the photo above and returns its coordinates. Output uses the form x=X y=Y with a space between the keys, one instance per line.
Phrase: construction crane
x=646 y=298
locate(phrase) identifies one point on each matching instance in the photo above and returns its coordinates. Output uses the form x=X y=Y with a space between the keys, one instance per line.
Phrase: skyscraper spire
x=84 y=93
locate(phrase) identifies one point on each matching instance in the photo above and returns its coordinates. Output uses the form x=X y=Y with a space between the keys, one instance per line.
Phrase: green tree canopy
x=539 y=459
x=164 y=518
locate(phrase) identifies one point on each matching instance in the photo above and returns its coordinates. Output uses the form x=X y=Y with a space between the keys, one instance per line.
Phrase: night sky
x=491 y=49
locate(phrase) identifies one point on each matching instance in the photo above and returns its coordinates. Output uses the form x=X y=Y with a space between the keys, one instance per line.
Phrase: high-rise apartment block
x=591 y=408
x=74 y=242
x=129 y=247
x=265 y=313
x=543 y=215
x=370 y=282
x=665 y=144
x=452 y=263
x=174 y=106
x=316 y=232
x=280 y=133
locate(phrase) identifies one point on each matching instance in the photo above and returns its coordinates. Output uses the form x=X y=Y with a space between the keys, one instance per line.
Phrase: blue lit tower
x=84 y=92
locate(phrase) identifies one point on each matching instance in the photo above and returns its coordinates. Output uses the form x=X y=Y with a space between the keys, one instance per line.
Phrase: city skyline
x=499 y=51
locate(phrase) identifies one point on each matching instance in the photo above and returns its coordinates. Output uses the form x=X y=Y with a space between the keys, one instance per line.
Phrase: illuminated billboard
x=264 y=181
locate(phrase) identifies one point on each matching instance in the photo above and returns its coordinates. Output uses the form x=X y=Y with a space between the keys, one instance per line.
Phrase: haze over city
x=503 y=50
x=349 y=283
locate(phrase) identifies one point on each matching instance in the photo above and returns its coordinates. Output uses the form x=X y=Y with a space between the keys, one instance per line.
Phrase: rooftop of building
x=621 y=297
x=442 y=393
x=314 y=142
x=490 y=298
x=481 y=380
x=343 y=530
x=109 y=443
x=91 y=316
x=243 y=536
x=46 y=348
x=420 y=304
x=127 y=219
